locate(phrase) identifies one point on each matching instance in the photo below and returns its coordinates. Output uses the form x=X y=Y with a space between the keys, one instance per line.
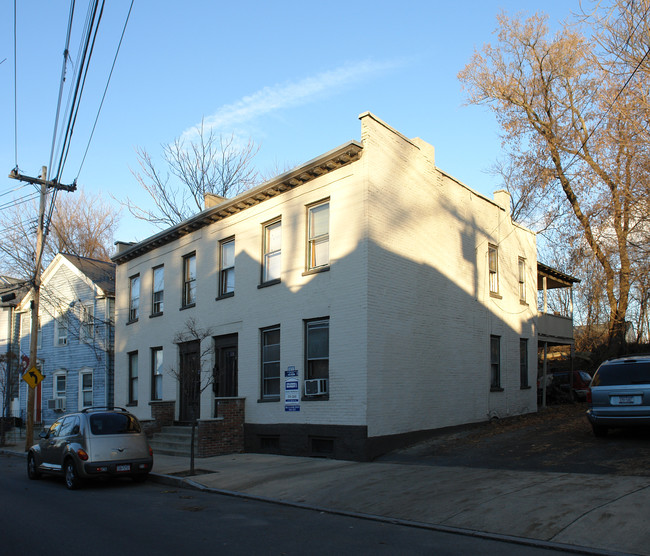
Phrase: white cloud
x=280 y=96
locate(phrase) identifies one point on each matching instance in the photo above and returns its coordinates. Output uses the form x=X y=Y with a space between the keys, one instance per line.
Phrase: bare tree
x=211 y=163
x=192 y=332
x=565 y=113
x=81 y=225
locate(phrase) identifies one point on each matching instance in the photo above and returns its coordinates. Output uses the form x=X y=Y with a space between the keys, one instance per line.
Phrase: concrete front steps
x=173 y=441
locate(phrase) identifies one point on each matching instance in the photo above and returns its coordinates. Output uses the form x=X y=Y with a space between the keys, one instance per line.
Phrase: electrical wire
x=66 y=56
x=82 y=73
x=101 y=104
x=15 y=92
x=17 y=188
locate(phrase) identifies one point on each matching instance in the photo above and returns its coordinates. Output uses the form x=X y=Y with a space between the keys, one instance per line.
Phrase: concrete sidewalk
x=593 y=514
x=601 y=513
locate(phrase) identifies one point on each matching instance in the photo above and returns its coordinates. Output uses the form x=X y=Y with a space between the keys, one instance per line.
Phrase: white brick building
x=410 y=296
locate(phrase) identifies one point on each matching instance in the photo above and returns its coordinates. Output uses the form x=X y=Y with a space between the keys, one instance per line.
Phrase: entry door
x=225 y=368
x=190 y=381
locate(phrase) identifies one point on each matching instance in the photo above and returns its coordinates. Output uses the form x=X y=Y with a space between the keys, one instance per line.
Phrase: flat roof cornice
x=332 y=160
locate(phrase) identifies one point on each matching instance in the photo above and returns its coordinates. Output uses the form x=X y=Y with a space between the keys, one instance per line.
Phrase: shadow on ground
x=557 y=439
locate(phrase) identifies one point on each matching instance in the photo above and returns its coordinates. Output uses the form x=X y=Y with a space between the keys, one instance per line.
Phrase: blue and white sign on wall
x=291 y=390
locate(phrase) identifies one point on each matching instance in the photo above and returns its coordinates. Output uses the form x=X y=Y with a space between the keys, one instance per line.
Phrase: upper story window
x=189 y=280
x=318 y=236
x=272 y=265
x=493 y=268
x=227 y=268
x=134 y=298
x=522 y=279
x=158 y=290
x=87 y=325
x=61 y=329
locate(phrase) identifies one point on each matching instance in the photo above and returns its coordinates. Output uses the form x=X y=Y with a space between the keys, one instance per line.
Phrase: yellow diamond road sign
x=32 y=377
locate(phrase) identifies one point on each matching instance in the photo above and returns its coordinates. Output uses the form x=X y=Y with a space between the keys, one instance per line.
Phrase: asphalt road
x=121 y=517
x=558 y=438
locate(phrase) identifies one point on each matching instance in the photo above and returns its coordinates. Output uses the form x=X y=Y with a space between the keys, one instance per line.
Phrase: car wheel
x=32 y=468
x=599 y=430
x=72 y=480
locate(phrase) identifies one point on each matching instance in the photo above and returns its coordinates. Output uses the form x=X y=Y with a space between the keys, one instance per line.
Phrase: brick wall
x=225 y=434
x=162 y=413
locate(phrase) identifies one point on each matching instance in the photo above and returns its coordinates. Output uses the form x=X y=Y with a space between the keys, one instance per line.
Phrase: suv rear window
x=624 y=373
x=113 y=423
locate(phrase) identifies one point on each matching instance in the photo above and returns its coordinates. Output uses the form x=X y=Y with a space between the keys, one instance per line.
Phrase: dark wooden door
x=225 y=369
x=190 y=381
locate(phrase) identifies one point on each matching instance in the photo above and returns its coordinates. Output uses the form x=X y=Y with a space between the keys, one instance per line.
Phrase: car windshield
x=614 y=374
x=113 y=423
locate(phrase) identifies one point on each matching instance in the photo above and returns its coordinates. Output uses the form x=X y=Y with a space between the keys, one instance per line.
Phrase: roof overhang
x=332 y=160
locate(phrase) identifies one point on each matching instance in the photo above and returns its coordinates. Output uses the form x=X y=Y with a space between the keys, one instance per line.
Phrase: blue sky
x=293 y=76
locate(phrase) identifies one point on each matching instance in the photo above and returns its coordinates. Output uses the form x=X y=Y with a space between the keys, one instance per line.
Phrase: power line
x=101 y=104
x=63 y=70
x=15 y=92
x=82 y=73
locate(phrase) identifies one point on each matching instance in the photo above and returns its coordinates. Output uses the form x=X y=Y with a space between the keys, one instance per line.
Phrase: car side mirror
x=44 y=433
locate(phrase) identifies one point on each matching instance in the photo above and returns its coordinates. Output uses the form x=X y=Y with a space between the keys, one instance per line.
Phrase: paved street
x=121 y=517
x=535 y=481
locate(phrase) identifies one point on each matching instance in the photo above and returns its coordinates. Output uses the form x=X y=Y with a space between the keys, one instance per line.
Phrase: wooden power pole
x=36 y=287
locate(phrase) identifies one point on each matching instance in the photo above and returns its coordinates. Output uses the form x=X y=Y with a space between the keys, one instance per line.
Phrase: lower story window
x=495 y=362
x=317 y=348
x=156 y=373
x=60 y=381
x=133 y=378
x=271 y=363
x=523 y=362
x=86 y=389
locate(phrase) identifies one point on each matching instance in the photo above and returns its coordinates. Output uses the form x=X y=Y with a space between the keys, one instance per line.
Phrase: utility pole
x=36 y=285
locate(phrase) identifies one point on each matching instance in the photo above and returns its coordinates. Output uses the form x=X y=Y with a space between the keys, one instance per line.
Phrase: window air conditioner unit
x=57 y=404
x=316 y=387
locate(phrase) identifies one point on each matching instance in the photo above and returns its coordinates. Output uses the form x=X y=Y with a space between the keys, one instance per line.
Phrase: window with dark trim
x=133 y=378
x=158 y=291
x=86 y=386
x=521 y=267
x=189 y=280
x=156 y=373
x=317 y=348
x=61 y=328
x=493 y=269
x=495 y=362
x=272 y=252
x=318 y=236
x=87 y=324
x=523 y=362
x=134 y=298
x=227 y=268
x=270 y=363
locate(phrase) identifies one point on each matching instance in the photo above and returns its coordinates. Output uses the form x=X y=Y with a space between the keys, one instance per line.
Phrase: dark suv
x=94 y=443
x=619 y=394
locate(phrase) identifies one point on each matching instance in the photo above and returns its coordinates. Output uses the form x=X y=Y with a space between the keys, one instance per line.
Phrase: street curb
x=183 y=482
